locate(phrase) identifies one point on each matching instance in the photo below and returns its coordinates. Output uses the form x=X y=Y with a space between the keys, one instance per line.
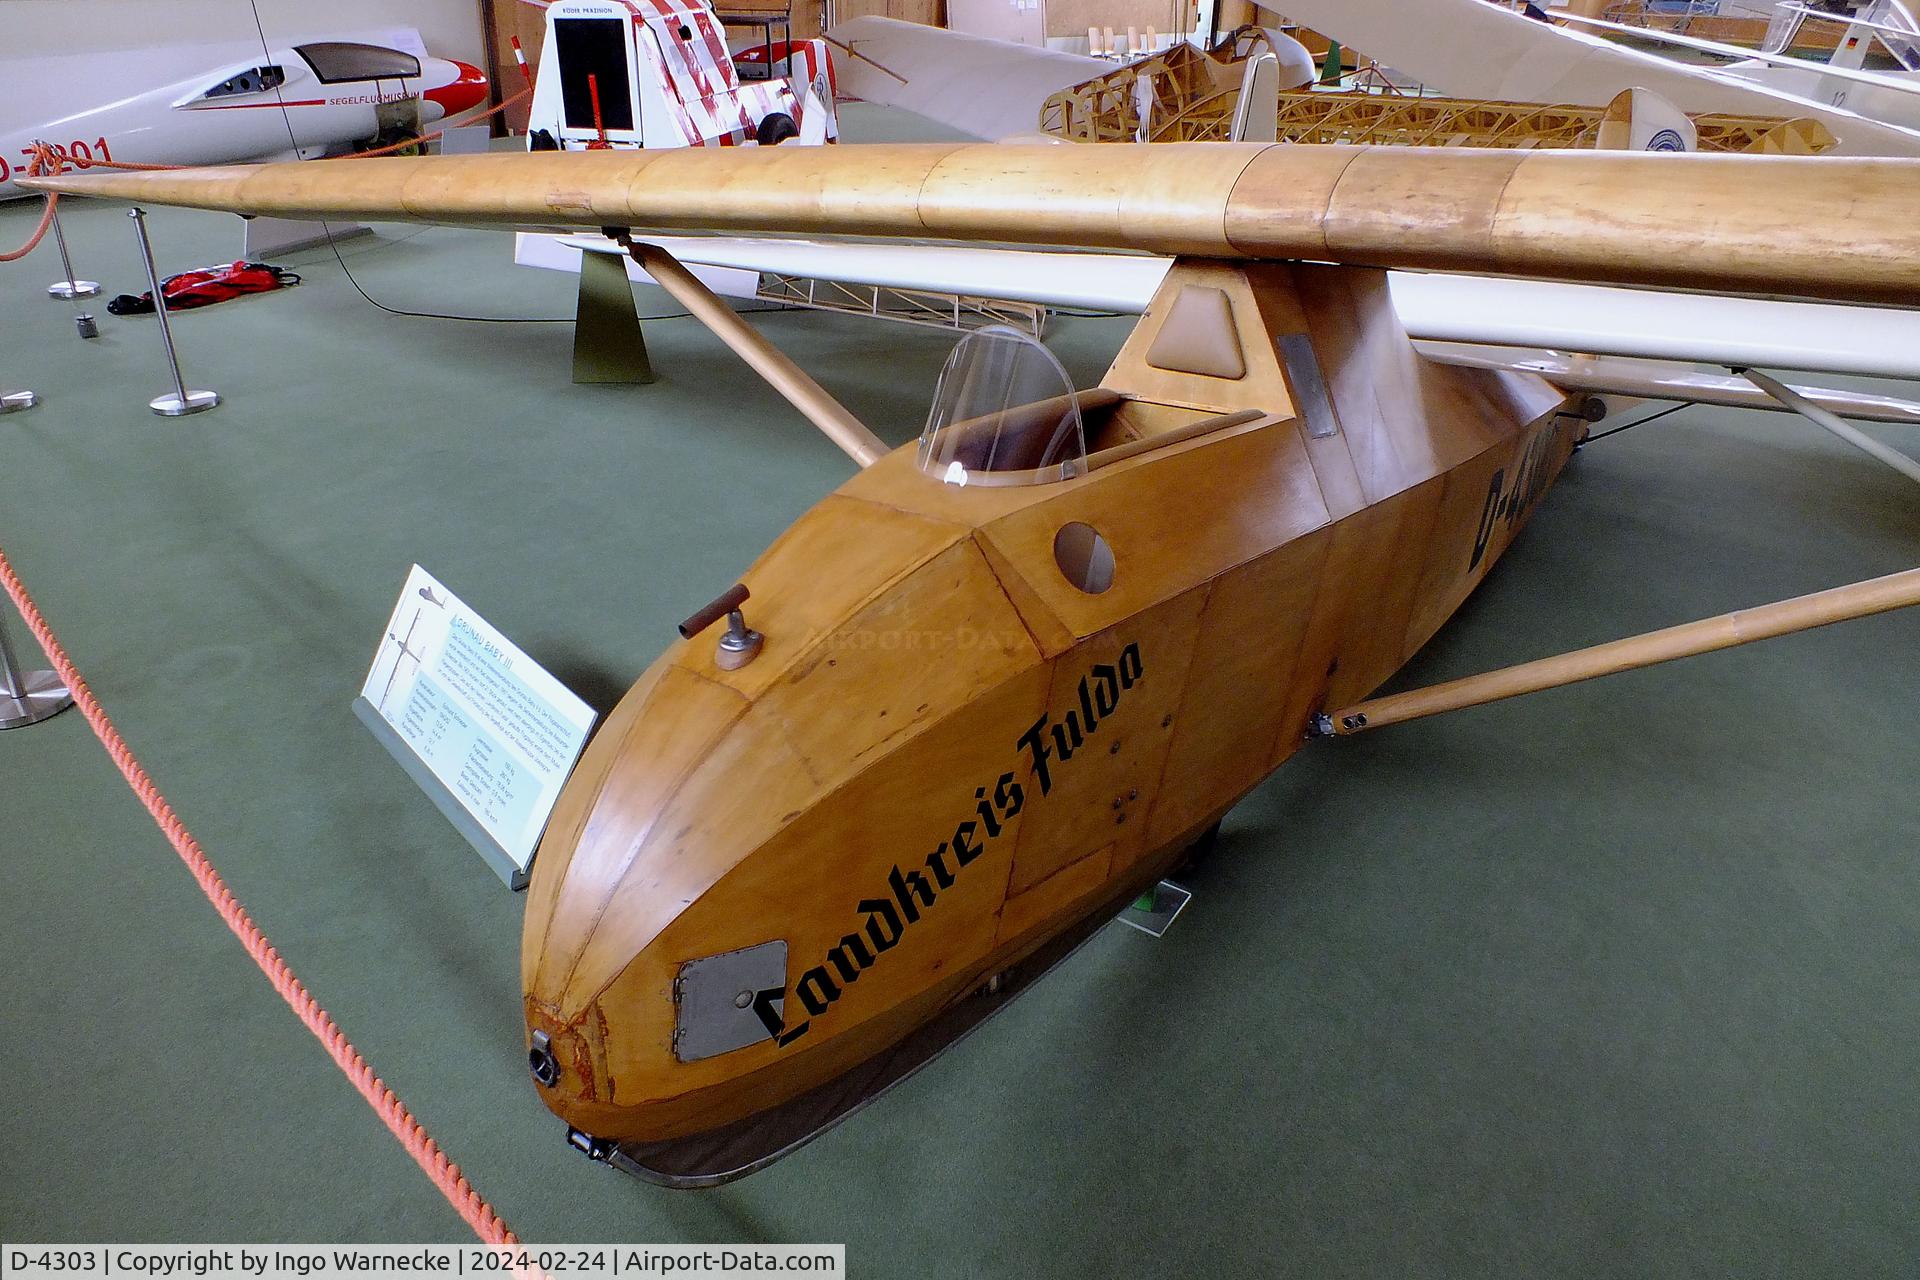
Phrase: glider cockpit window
x=1004 y=413
x=254 y=80
x=336 y=62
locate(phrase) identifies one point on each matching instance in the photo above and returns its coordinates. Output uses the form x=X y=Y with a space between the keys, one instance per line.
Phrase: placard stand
x=482 y=728
x=1155 y=910
x=512 y=875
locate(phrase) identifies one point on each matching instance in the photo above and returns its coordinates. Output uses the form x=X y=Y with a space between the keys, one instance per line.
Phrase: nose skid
x=732 y=1150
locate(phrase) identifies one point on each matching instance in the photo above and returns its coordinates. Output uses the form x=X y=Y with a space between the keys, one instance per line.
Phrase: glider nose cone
x=622 y=858
x=468 y=89
x=726 y=819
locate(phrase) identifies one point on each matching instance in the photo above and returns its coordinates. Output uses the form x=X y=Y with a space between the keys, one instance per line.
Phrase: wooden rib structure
x=1728 y=28
x=772 y=888
x=1192 y=92
x=1383 y=120
x=1193 y=96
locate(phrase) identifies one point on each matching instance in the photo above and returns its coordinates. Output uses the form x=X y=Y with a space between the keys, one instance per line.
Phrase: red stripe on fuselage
x=262 y=106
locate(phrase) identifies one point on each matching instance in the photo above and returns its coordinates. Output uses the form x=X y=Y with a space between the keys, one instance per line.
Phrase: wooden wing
x=1805 y=226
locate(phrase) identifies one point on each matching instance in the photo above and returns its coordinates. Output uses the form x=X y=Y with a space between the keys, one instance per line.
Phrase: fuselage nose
x=745 y=818
x=467 y=89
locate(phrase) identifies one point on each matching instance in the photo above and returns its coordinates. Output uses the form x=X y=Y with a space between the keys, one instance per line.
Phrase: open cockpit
x=1005 y=412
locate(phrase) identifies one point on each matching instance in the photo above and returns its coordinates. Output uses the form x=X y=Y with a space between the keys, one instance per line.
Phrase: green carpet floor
x=1619 y=980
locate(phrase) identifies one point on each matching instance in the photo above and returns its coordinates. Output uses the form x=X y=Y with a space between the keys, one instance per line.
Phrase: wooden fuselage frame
x=948 y=754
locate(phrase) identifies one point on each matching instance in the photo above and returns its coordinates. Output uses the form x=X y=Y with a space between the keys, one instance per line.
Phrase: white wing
x=989 y=89
x=1756 y=55
x=1472 y=49
x=1457 y=319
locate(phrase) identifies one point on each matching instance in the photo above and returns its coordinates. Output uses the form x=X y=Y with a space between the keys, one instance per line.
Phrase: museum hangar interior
x=1614 y=978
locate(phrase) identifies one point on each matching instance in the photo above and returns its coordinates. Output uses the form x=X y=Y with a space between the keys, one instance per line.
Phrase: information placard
x=484 y=730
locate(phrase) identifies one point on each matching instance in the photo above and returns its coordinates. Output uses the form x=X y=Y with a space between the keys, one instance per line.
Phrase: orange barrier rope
x=429 y=137
x=62 y=158
x=39 y=233
x=45 y=160
x=51 y=160
x=426 y=1153
x=63 y=161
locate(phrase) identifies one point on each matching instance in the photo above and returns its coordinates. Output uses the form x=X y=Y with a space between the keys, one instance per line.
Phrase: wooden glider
x=992 y=688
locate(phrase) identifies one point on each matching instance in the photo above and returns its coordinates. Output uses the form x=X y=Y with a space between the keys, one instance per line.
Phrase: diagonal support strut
x=1827 y=420
x=1743 y=626
x=774 y=365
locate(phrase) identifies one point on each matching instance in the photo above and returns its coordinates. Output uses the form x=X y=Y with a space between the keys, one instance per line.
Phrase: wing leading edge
x=1808 y=226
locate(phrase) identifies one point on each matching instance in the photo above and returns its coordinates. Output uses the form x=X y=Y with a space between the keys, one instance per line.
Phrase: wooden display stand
x=608 y=344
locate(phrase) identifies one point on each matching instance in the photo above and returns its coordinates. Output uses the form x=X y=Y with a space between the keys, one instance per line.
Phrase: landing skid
x=733 y=1151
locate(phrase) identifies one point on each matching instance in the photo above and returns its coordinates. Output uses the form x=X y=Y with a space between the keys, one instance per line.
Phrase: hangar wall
x=51 y=28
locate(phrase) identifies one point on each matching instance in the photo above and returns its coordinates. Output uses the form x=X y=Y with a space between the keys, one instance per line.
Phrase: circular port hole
x=1084 y=557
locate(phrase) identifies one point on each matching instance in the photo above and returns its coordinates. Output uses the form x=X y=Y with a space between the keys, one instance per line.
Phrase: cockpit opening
x=1005 y=412
x=252 y=80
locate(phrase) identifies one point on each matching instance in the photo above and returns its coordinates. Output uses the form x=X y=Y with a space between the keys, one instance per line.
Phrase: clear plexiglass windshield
x=1004 y=412
x=343 y=61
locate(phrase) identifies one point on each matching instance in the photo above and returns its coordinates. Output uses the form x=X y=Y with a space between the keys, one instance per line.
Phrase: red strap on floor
x=445 y=1174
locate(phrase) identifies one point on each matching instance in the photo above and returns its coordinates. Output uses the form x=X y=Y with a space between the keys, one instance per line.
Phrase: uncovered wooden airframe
x=991 y=688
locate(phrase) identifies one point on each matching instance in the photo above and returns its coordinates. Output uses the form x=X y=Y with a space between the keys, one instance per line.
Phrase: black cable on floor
x=293 y=141
x=1639 y=423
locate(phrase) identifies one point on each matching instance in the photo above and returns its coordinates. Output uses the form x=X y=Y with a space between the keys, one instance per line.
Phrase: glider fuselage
x=948 y=754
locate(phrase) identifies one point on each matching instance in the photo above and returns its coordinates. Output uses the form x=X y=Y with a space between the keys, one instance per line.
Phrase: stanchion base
x=43 y=697
x=14 y=401
x=68 y=290
x=172 y=406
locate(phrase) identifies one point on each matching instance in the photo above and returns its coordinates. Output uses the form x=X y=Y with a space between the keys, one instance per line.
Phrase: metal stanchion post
x=180 y=400
x=67 y=289
x=27 y=697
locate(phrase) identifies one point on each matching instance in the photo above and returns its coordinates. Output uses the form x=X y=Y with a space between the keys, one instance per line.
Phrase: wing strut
x=767 y=360
x=1743 y=626
x=1825 y=418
